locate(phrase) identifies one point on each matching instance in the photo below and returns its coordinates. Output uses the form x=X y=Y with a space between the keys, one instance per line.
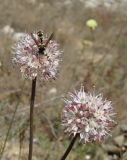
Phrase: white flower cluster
x=88 y=115
x=31 y=62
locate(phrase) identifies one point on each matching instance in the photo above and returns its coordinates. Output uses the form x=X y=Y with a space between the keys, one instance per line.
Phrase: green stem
x=69 y=147
x=31 y=118
x=10 y=127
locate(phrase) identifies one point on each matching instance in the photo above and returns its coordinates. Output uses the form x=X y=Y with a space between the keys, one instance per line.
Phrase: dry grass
x=102 y=63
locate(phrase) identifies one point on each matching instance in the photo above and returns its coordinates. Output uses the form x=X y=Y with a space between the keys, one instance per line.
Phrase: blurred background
x=97 y=58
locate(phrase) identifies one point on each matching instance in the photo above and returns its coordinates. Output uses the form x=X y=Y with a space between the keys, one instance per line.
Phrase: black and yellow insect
x=41 y=45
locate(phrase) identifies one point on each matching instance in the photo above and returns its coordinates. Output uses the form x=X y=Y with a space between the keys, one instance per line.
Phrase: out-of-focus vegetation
x=95 y=58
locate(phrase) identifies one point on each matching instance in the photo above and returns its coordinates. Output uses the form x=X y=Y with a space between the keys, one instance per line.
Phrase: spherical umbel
x=35 y=56
x=88 y=115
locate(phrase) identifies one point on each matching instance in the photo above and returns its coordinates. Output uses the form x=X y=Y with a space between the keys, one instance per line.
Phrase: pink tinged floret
x=26 y=56
x=88 y=115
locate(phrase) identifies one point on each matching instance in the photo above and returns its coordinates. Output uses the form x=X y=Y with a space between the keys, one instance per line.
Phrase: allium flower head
x=88 y=115
x=91 y=23
x=27 y=56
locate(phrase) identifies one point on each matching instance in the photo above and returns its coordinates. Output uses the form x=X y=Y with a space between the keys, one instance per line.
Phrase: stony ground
x=97 y=60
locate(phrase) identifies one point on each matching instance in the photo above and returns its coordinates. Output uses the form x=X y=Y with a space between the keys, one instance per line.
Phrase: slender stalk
x=92 y=34
x=8 y=131
x=69 y=147
x=10 y=125
x=31 y=118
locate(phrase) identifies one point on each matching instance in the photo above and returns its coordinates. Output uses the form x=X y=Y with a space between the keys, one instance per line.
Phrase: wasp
x=41 y=45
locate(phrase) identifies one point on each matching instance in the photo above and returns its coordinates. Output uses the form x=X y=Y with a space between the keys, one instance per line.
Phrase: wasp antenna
x=34 y=39
x=51 y=36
